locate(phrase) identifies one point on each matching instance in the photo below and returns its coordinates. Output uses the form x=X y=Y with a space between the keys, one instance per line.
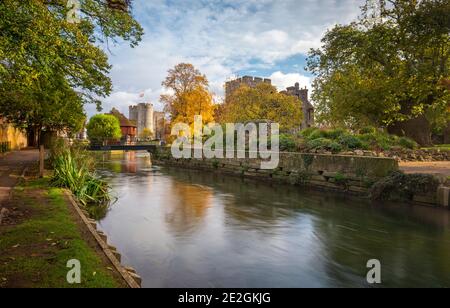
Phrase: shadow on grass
x=45 y=236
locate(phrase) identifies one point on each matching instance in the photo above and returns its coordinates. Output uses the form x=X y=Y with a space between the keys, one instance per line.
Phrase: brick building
x=128 y=128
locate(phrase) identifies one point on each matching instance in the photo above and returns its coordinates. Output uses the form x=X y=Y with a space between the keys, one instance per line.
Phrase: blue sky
x=266 y=38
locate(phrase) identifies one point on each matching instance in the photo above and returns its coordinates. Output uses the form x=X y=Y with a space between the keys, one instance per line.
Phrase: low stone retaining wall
x=354 y=175
x=423 y=155
x=336 y=172
x=130 y=276
x=420 y=155
x=440 y=198
x=443 y=196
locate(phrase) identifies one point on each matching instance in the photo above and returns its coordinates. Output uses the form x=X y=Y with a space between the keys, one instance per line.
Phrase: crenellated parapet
x=143 y=115
x=233 y=85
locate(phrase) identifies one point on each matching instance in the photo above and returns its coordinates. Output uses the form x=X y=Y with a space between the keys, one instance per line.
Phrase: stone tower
x=142 y=115
x=252 y=82
x=307 y=107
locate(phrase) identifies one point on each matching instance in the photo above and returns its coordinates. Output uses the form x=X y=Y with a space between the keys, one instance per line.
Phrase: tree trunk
x=32 y=138
x=418 y=129
x=41 y=160
x=447 y=134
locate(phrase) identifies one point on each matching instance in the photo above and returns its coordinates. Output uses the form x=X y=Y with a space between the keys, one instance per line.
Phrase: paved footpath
x=438 y=168
x=12 y=166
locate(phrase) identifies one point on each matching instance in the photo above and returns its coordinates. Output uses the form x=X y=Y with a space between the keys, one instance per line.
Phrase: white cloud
x=220 y=37
x=283 y=81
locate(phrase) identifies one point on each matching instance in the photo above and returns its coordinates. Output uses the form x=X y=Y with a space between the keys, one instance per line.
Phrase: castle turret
x=249 y=81
x=142 y=115
x=307 y=107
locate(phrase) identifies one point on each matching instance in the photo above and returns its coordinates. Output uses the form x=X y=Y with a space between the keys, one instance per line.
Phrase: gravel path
x=441 y=168
x=11 y=168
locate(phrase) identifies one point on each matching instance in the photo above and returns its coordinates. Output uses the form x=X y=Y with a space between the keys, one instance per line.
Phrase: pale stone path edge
x=436 y=168
x=128 y=274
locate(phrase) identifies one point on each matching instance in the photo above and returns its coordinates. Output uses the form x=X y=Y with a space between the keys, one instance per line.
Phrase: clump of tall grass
x=74 y=170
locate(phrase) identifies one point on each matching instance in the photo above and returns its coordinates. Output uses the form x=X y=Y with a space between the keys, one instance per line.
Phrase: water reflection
x=124 y=162
x=182 y=228
x=188 y=210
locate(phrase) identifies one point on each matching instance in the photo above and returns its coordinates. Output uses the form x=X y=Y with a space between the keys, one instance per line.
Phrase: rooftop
x=124 y=121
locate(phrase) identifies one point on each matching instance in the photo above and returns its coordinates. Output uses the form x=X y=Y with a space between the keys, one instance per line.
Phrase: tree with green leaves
x=388 y=69
x=51 y=67
x=103 y=127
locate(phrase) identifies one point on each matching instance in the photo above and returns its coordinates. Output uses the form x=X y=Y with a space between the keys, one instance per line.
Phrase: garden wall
x=16 y=138
x=355 y=174
x=422 y=155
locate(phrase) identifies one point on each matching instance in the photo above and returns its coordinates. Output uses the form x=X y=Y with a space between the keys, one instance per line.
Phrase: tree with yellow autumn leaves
x=262 y=102
x=188 y=96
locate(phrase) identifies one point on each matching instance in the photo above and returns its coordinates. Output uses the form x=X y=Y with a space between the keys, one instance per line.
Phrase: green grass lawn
x=445 y=147
x=36 y=247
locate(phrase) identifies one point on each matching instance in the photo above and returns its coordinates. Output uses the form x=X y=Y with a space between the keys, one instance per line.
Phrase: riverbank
x=355 y=175
x=41 y=230
x=38 y=236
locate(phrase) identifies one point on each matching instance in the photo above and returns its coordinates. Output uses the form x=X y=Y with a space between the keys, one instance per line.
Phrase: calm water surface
x=182 y=228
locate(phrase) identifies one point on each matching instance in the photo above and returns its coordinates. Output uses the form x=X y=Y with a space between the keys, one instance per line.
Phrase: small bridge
x=138 y=147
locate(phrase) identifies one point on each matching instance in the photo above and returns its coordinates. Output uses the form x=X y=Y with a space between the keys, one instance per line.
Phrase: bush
x=377 y=141
x=402 y=187
x=288 y=143
x=335 y=147
x=307 y=132
x=368 y=130
x=338 y=140
x=320 y=144
x=334 y=134
x=317 y=134
x=407 y=143
x=350 y=142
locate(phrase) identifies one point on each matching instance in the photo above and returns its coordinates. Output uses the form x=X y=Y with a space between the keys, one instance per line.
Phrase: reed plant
x=74 y=169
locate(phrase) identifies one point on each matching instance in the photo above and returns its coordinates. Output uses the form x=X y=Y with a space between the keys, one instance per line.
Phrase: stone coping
x=130 y=276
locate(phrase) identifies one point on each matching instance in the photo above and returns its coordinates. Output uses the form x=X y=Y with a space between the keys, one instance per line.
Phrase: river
x=181 y=228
